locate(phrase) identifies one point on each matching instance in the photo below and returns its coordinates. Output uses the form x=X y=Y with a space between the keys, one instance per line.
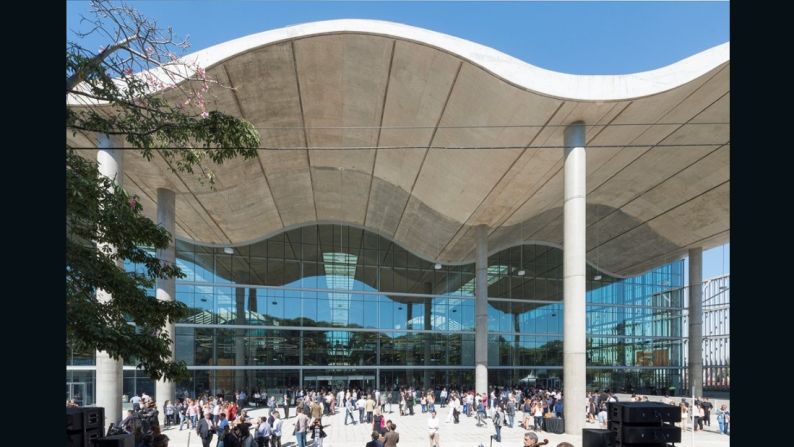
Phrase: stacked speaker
x=127 y=440
x=83 y=425
x=646 y=424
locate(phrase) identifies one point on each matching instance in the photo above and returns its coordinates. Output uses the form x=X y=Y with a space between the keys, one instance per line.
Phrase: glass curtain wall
x=339 y=298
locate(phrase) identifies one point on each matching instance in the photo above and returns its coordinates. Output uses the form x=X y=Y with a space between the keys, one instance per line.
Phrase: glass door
x=76 y=391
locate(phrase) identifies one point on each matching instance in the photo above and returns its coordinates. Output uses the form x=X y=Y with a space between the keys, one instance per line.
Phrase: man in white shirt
x=432 y=429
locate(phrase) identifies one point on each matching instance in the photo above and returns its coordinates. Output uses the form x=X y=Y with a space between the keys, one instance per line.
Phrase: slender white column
x=166 y=288
x=481 y=307
x=696 y=321
x=574 y=285
x=109 y=371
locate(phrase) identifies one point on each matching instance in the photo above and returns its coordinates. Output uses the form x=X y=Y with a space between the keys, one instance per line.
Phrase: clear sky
x=570 y=37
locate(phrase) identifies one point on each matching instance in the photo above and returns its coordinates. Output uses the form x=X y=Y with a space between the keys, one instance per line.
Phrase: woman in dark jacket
x=378 y=422
x=317 y=432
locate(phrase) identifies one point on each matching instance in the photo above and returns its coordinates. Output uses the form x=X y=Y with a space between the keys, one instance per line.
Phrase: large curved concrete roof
x=362 y=122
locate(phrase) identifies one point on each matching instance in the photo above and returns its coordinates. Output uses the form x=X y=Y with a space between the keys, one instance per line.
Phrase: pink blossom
x=133 y=203
x=205 y=115
x=128 y=71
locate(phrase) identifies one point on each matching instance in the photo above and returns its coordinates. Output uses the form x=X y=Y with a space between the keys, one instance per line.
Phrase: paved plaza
x=413 y=432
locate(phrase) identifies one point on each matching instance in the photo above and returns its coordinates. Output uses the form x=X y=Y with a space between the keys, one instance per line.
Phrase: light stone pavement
x=413 y=432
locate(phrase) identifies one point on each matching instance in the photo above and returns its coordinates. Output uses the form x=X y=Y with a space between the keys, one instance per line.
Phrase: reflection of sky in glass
x=340 y=269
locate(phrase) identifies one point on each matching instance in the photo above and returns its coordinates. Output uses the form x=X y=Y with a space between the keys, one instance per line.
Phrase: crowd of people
x=213 y=417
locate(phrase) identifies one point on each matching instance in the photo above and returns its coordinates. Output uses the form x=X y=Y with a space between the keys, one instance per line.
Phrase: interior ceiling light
x=597 y=277
x=522 y=272
x=228 y=250
x=437 y=266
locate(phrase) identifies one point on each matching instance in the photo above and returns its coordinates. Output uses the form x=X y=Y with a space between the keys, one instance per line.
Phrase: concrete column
x=428 y=325
x=574 y=281
x=109 y=371
x=166 y=288
x=481 y=312
x=696 y=321
x=253 y=309
x=239 y=341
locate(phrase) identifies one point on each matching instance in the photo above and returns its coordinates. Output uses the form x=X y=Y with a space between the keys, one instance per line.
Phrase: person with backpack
x=317 y=432
x=511 y=411
x=480 y=413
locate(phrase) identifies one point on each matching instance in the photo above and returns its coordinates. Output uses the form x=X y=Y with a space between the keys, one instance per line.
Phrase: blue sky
x=571 y=37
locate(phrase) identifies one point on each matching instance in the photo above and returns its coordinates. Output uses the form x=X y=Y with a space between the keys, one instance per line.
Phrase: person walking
x=317 y=432
x=498 y=421
x=301 y=426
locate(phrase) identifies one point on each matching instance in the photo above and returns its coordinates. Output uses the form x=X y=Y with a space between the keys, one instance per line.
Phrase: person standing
x=706 y=411
x=262 y=433
x=530 y=439
x=700 y=416
x=205 y=430
x=511 y=411
x=480 y=413
x=723 y=418
x=432 y=430
x=498 y=421
x=242 y=399
x=369 y=405
x=301 y=426
x=360 y=406
x=391 y=436
x=684 y=415
x=285 y=405
x=275 y=430
x=378 y=422
x=375 y=440
x=221 y=427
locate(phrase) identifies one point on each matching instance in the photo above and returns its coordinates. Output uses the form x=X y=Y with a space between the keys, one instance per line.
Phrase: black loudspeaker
x=127 y=440
x=643 y=412
x=74 y=419
x=84 y=418
x=644 y=434
x=596 y=437
x=82 y=438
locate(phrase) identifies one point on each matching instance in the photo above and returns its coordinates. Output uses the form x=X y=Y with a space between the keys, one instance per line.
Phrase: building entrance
x=316 y=382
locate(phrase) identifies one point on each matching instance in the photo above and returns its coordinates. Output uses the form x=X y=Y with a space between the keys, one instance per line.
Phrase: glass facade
x=332 y=304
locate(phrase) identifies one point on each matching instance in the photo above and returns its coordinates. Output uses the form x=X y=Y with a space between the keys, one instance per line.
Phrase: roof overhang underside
x=363 y=122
